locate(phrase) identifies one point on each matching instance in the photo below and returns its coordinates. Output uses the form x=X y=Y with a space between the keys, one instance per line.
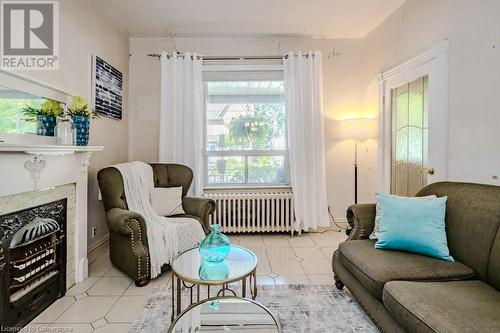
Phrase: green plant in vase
x=81 y=113
x=45 y=116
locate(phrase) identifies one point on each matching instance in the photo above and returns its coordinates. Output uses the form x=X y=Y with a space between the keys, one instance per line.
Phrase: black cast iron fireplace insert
x=32 y=262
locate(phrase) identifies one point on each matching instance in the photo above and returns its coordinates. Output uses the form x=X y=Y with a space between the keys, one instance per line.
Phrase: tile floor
x=108 y=301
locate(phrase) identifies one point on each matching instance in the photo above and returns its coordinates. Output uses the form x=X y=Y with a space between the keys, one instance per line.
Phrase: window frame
x=225 y=73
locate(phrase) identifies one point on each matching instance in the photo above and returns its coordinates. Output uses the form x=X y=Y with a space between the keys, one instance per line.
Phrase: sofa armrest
x=124 y=222
x=361 y=218
x=200 y=207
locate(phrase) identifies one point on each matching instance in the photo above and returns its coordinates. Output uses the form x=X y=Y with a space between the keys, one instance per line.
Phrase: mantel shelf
x=47 y=149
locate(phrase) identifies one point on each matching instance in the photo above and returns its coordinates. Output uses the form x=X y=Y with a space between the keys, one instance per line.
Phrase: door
x=413 y=123
x=409 y=137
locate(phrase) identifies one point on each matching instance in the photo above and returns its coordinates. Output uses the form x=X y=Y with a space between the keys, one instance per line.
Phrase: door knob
x=429 y=171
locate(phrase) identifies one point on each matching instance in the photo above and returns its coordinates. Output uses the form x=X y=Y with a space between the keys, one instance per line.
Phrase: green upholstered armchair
x=128 y=243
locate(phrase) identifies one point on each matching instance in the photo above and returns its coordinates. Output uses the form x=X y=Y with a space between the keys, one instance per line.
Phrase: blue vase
x=82 y=125
x=214 y=271
x=215 y=247
x=45 y=125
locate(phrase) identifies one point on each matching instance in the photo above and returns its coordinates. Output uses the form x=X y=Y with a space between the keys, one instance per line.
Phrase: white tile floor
x=108 y=301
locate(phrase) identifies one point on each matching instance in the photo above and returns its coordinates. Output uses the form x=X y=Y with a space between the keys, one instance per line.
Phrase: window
x=246 y=131
x=12 y=118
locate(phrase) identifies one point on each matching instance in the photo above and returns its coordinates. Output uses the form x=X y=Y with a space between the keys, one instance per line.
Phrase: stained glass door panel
x=409 y=108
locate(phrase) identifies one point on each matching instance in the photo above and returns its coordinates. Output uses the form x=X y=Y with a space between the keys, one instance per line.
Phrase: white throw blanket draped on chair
x=166 y=236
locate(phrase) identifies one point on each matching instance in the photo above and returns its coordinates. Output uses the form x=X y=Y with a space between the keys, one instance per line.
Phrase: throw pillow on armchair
x=167 y=201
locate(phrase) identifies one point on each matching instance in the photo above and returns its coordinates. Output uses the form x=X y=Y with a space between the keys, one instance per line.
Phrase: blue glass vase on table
x=213 y=252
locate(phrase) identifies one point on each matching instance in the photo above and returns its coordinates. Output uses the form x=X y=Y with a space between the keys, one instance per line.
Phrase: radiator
x=242 y=212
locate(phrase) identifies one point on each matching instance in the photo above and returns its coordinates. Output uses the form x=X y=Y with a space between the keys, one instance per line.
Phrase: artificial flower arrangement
x=81 y=113
x=48 y=108
x=80 y=107
x=45 y=116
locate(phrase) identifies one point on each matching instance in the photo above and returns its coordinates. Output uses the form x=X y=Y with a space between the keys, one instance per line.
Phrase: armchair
x=128 y=243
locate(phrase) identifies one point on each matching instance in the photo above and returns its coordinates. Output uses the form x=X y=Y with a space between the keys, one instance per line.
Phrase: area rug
x=299 y=308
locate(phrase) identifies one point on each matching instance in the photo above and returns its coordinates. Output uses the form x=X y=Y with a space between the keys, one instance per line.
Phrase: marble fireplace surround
x=32 y=175
x=21 y=201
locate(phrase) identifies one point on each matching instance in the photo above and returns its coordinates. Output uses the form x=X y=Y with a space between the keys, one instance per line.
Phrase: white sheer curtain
x=182 y=114
x=303 y=80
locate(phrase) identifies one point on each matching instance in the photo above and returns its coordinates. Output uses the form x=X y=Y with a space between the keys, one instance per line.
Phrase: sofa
x=406 y=292
x=128 y=243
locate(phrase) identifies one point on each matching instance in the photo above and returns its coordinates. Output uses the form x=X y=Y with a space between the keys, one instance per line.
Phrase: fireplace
x=32 y=261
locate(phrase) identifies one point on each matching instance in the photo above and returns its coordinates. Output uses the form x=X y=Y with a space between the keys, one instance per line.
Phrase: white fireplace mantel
x=36 y=167
x=47 y=150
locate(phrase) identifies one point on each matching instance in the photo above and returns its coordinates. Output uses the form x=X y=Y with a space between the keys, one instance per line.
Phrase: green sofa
x=128 y=243
x=405 y=292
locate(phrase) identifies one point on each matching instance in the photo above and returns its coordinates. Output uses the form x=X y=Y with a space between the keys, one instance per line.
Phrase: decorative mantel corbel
x=84 y=161
x=34 y=167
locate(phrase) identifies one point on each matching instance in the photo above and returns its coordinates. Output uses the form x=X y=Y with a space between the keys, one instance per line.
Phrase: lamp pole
x=355 y=171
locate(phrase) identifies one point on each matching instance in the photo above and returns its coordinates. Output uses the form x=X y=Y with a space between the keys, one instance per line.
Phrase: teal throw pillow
x=413 y=225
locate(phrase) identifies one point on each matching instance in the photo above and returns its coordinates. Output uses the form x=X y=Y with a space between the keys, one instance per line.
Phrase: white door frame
x=434 y=64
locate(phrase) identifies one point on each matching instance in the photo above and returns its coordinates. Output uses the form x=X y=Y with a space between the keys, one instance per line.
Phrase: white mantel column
x=81 y=262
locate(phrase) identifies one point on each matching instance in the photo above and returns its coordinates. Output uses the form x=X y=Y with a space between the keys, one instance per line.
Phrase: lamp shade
x=358 y=129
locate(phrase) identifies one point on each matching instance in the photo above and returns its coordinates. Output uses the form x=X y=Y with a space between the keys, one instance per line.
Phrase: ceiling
x=250 y=18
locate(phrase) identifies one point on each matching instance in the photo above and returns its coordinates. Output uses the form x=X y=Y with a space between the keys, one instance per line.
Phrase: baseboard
x=97 y=249
x=340 y=221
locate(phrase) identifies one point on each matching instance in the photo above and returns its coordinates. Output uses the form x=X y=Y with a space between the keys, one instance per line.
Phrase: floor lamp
x=357 y=129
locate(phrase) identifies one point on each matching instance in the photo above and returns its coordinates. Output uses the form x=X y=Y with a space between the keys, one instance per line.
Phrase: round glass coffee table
x=189 y=271
x=232 y=314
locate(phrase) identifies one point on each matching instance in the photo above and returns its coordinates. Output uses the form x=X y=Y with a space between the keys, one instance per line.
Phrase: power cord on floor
x=335 y=222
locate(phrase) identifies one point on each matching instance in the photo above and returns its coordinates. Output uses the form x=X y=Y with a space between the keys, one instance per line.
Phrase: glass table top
x=227 y=314
x=239 y=263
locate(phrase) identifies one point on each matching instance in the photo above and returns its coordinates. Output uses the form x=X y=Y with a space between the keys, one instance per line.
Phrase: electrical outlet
x=94 y=232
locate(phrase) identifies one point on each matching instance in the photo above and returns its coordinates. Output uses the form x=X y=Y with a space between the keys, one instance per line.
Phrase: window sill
x=247 y=188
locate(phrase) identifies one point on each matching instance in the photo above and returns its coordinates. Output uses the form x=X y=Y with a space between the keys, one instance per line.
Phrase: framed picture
x=107 y=89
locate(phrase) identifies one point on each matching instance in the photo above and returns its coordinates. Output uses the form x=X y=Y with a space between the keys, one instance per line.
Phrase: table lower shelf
x=221 y=289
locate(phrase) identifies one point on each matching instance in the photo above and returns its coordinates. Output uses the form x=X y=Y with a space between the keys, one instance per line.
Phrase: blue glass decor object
x=214 y=305
x=214 y=271
x=82 y=125
x=215 y=247
x=45 y=125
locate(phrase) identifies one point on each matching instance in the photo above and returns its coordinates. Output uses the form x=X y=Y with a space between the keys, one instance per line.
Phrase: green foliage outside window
x=12 y=117
x=266 y=170
x=229 y=170
x=258 y=131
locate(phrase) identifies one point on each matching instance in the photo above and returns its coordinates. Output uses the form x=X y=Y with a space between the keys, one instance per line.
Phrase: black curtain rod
x=215 y=58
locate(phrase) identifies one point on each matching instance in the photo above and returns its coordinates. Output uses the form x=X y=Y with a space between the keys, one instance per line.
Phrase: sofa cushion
x=373 y=267
x=472 y=221
x=459 y=306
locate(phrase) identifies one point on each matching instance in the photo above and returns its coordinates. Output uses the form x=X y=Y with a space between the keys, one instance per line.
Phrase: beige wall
x=342 y=80
x=349 y=85
x=86 y=30
x=473 y=30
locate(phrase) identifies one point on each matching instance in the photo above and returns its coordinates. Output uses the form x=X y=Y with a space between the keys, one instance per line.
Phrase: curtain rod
x=158 y=56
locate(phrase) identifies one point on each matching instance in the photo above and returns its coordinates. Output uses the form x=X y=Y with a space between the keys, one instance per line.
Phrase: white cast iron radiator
x=253 y=211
